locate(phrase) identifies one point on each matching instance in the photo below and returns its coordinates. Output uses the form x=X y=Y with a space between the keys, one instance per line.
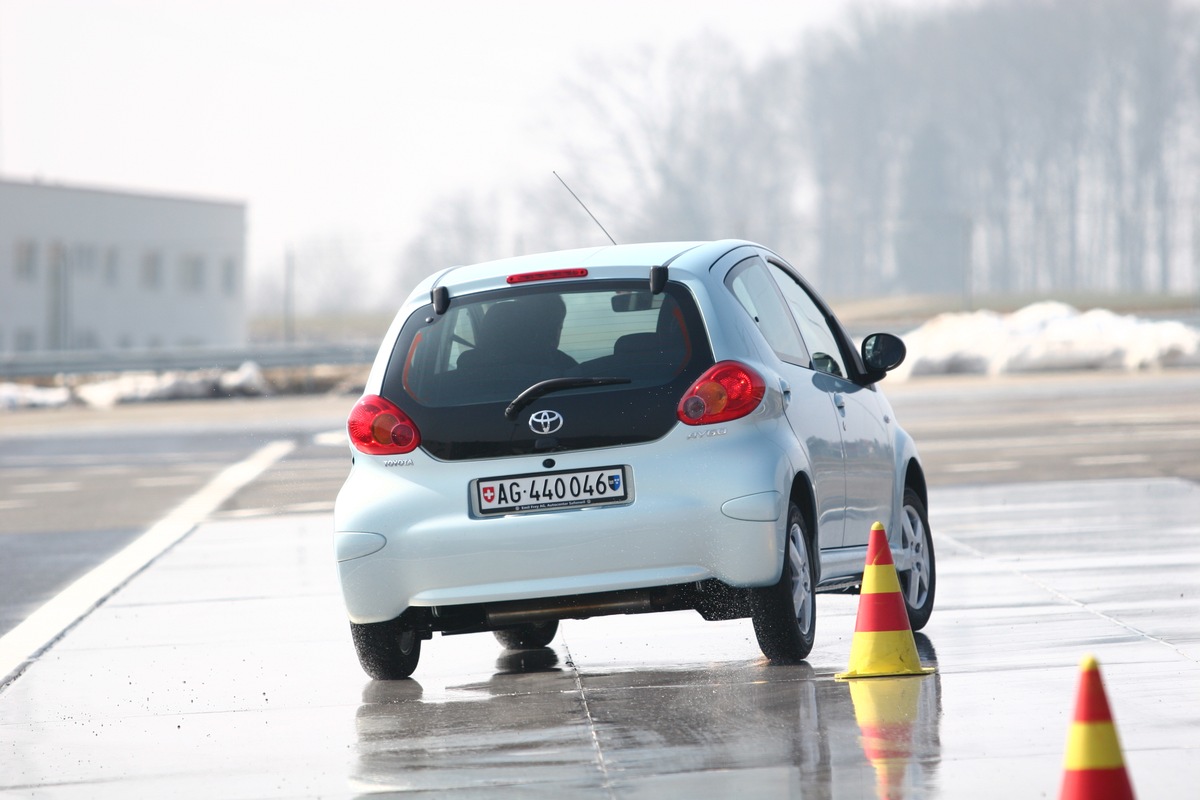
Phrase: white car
x=622 y=429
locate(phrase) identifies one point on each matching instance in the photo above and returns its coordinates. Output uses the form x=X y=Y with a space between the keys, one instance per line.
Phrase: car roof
x=692 y=256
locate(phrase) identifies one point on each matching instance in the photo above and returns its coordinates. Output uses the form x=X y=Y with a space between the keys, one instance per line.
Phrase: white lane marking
x=1056 y=443
x=43 y=627
x=17 y=473
x=7 y=505
x=295 y=508
x=1109 y=461
x=316 y=465
x=306 y=508
x=984 y=466
x=111 y=469
x=337 y=438
x=166 y=480
x=46 y=488
x=248 y=513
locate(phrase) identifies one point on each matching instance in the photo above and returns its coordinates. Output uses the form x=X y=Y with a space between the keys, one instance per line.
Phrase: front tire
x=918 y=583
x=387 y=651
x=528 y=636
x=784 y=615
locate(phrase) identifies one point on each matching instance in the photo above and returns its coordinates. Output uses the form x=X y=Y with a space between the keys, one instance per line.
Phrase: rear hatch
x=618 y=359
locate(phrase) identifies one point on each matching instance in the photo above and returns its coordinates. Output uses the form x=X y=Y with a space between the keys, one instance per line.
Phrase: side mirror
x=882 y=353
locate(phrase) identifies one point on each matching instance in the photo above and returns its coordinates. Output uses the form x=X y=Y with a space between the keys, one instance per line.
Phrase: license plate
x=551 y=491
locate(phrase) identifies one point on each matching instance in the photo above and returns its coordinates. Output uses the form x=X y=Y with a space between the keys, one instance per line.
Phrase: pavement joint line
x=591 y=721
x=966 y=548
x=22 y=645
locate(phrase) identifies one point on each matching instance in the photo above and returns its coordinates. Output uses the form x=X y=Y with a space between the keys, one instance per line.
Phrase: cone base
x=1096 y=784
x=914 y=672
x=883 y=654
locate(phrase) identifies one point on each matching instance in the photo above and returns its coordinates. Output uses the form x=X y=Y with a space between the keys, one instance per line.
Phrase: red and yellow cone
x=1093 y=768
x=886 y=709
x=883 y=644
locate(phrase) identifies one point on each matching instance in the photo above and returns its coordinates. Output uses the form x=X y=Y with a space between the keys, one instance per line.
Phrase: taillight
x=728 y=390
x=379 y=428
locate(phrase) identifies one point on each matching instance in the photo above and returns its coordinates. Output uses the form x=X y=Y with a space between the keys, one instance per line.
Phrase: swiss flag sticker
x=489 y=494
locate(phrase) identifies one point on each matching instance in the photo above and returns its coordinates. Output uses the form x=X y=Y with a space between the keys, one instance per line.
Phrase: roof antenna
x=585 y=208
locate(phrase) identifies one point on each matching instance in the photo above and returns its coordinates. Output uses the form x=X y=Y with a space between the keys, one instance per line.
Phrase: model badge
x=545 y=422
x=708 y=433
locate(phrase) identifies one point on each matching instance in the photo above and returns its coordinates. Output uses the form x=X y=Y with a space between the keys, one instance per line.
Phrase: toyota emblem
x=545 y=422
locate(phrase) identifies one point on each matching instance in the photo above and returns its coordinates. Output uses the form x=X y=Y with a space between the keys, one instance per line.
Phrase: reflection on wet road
x=226 y=670
x=729 y=728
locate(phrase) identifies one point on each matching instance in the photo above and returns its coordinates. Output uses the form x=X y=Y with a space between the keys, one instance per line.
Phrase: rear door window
x=760 y=296
x=822 y=342
x=491 y=347
x=455 y=374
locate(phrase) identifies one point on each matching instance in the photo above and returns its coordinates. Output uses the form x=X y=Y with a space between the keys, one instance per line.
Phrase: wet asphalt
x=225 y=669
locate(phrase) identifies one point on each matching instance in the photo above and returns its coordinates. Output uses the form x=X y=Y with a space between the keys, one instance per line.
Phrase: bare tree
x=1033 y=134
x=1009 y=146
x=691 y=144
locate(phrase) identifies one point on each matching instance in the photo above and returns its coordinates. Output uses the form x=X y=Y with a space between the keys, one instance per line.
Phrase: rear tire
x=784 y=615
x=918 y=584
x=529 y=636
x=387 y=651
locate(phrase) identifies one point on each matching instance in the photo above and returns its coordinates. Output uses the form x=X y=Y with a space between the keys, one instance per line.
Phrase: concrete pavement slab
x=226 y=670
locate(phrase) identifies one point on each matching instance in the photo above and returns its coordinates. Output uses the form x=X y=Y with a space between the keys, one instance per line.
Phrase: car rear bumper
x=440 y=563
x=415 y=544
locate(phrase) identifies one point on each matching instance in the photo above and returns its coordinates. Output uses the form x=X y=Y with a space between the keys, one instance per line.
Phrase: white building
x=89 y=269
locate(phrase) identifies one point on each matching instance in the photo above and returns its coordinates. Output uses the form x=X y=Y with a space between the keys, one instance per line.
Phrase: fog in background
x=970 y=151
x=1030 y=148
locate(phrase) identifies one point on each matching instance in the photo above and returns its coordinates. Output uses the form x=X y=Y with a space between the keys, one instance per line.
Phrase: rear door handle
x=839 y=400
x=786 y=388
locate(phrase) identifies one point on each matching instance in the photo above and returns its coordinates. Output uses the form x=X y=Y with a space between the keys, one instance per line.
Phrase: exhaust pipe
x=578 y=607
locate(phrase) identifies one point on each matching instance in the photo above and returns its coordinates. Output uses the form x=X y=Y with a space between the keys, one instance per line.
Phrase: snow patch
x=1042 y=337
x=1045 y=337
x=16 y=395
x=142 y=387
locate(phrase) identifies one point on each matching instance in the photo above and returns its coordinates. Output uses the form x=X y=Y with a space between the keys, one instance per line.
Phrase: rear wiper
x=556 y=385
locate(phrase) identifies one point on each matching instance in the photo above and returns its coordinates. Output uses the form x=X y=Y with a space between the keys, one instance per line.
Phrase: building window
x=26 y=340
x=26 y=261
x=112 y=267
x=152 y=272
x=85 y=261
x=191 y=274
x=86 y=340
x=229 y=278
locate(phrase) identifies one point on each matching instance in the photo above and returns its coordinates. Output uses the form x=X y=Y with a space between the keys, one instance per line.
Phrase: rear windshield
x=490 y=347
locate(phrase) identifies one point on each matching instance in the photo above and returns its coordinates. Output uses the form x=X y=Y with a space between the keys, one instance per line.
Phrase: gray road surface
x=76 y=485
x=225 y=669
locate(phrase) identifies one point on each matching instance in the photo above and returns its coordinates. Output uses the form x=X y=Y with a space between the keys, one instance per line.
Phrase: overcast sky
x=328 y=119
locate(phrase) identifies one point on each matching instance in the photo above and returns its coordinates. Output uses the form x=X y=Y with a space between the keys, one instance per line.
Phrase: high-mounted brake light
x=547 y=275
x=377 y=427
x=728 y=390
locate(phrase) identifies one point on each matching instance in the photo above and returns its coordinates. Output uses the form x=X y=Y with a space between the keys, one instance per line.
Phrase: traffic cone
x=1093 y=768
x=885 y=710
x=883 y=644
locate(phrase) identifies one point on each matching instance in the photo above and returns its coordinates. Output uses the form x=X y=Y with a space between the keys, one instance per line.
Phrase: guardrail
x=91 y=362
